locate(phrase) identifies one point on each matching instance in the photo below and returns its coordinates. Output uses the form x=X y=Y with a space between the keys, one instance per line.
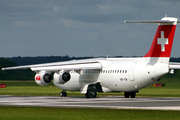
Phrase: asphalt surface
x=104 y=102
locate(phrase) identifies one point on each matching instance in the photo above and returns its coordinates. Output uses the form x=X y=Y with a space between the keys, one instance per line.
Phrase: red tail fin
x=163 y=39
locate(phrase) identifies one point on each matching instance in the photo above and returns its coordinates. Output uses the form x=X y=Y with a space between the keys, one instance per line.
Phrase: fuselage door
x=131 y=71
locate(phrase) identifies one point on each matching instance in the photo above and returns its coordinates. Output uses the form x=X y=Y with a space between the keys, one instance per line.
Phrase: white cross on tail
x=162 y=41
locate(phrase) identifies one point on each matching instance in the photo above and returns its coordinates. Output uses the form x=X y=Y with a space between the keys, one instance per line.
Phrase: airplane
x=127 y=75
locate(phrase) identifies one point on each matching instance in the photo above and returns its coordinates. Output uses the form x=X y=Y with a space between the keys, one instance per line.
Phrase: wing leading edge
x=72 y=65
x=68 y=65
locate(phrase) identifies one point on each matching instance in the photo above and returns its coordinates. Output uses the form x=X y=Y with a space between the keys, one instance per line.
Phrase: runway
x=104 y=102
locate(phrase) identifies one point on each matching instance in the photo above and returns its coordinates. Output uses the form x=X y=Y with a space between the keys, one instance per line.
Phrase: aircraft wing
x=68 y=65
x=174 y=65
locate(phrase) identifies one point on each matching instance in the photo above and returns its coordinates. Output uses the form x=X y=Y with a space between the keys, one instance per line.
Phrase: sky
x=82 y=27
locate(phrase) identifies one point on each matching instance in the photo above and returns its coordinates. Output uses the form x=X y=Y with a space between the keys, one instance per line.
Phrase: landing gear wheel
x=133 y=94
x=93 y=94
x=63 y=94
x=90 y=94
x=126 y=94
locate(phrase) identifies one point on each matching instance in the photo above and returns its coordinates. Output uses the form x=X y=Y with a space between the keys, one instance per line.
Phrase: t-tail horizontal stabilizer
x=161 y=46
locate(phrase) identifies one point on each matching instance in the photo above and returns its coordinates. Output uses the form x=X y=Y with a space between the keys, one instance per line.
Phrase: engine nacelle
x=43 y=79
x=62 y=78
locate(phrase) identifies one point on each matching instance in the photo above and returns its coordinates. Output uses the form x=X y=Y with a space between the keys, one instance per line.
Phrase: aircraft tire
x=88 y=94
x=63 y=94
x=133 y=94
x=126 y=94
x=94 y=94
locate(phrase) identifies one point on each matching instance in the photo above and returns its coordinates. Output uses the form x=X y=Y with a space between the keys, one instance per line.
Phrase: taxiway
x=104 y=102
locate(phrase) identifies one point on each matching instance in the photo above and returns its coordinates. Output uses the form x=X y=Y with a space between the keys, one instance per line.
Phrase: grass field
x=33 y=113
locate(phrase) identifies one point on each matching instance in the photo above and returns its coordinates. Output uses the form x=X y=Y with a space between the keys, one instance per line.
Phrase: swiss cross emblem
x=38 y=78
x=162 y=41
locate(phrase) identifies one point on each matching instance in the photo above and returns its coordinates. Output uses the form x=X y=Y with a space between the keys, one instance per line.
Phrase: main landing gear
x=91 y=94
x=93 y=89
x=63 y=94
x=127 y=94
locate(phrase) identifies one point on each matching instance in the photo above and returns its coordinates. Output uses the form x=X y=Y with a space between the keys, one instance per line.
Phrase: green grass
x=171 y=89
x=34 y=113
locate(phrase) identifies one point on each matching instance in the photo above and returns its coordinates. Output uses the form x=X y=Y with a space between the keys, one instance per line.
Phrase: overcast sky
x=82 y=27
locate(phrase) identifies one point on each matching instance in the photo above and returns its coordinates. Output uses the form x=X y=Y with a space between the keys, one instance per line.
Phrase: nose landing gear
x=63 y=94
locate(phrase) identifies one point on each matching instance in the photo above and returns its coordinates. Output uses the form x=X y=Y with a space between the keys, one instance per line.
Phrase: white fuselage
x=119 y=74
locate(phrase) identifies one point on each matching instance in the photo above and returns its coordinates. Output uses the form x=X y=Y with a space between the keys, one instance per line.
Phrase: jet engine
x=43 y=79
x=62 y=78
